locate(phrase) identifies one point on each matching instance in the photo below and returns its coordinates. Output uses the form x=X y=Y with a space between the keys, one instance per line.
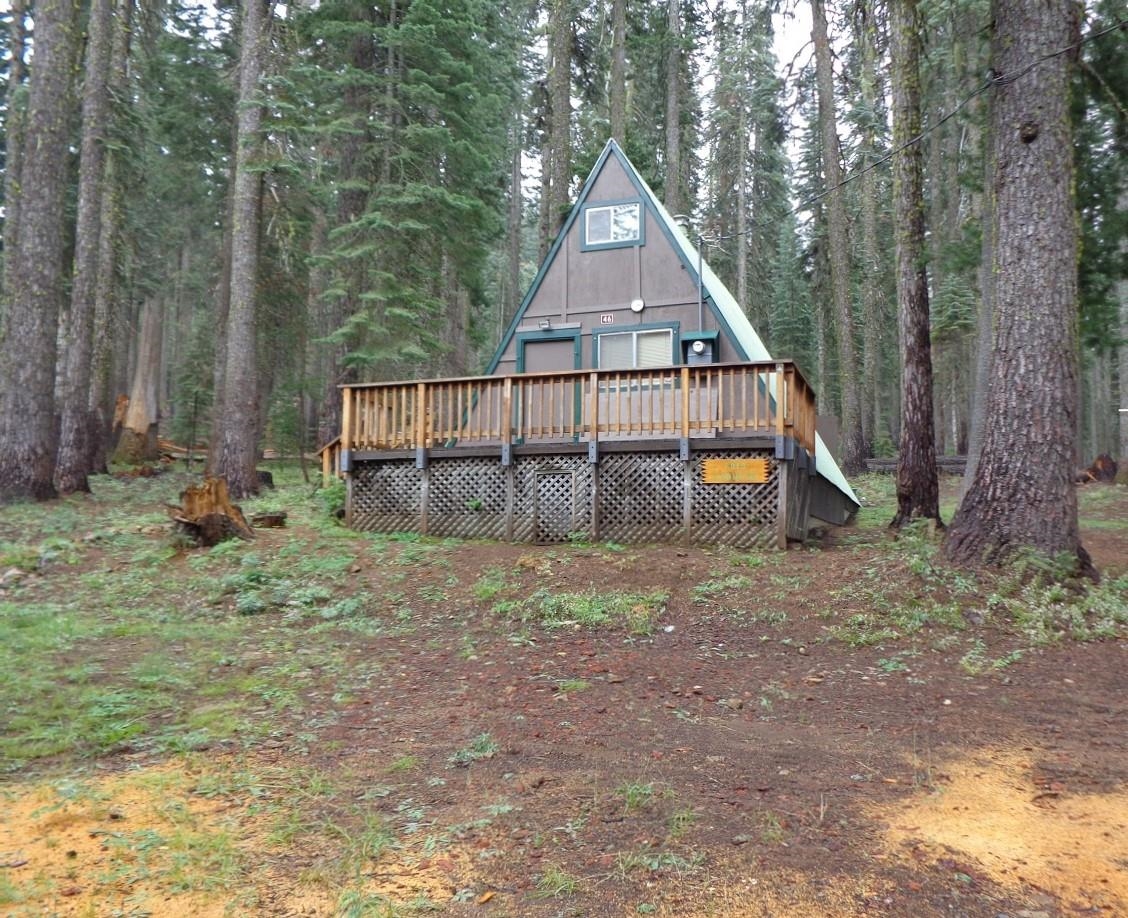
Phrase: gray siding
x=579 y=287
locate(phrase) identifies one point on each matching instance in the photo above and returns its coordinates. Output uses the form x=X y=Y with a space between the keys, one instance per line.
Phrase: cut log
x=951 y=465
x=269 y=520
x=207 y=515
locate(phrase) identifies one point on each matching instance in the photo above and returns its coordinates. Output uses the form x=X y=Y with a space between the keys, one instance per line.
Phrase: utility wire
x=1004 y=79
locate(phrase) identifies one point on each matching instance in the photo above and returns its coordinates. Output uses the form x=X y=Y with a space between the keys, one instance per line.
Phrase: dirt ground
x=756 y=752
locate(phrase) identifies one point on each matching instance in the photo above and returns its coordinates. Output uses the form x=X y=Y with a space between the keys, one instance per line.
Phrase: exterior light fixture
x=637 y=305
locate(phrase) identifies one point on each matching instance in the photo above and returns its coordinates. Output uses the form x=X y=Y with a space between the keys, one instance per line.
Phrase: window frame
x=586 y=246
x=673 y=328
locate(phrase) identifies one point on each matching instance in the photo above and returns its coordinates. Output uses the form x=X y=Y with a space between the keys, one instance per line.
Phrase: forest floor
x=323 y=722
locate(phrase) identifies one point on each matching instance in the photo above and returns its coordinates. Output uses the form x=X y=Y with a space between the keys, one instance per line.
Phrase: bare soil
x=738 y=760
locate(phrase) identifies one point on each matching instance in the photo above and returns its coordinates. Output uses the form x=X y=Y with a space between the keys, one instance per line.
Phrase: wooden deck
x=719 y=400
x=714 y=454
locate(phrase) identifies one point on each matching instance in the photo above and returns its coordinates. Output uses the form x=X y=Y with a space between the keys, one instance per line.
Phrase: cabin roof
x=716 y=296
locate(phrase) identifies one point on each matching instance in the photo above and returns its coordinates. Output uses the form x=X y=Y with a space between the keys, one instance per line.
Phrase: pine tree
x=1022 y=495
x=234 y=454
x=36 y=271
x=852 y=450
x=77 y=428
x=918 y=491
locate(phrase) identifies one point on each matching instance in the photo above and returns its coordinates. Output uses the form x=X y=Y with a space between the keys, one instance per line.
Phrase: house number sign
x=607 y=318
x=736 y=471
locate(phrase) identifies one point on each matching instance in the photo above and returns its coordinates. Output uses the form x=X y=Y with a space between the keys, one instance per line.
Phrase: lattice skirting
x=742 y=515
x=626 y=497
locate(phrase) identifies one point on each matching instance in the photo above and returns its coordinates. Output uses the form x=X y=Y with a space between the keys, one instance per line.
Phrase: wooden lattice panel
x=385 y=496
x=467 y=498
x=741 y=515
x=641 y=497
x=540 y=490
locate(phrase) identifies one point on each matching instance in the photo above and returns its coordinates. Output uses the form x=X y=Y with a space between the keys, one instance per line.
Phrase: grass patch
x=638 y=612
x=556 y=883
x=636 y=795
x=483 y=746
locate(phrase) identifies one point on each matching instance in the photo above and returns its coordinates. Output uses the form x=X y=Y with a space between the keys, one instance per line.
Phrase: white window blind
x=616 y=352
x=631 y=350
x=654 y=348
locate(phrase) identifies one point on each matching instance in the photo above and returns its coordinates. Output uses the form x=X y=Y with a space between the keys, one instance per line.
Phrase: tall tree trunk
x=28 y=347
x=618 y=89
x=15 y=118
x=138 y=440
x=672 y=197
x=918 y=491
x=560 y=116
x=872 y=262
x=1023 y=492
x=740 y=169
x=1122 y=294
x=852 y=454
x=233 y=454
x=223 y=298
x=107 y=301
x=985 y=316
x=514 y=228
x=76 y=429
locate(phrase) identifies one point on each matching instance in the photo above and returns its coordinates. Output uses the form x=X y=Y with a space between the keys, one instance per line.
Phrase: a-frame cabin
x=630 y=399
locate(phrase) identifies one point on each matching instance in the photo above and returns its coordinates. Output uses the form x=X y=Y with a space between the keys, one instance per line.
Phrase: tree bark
x=15 y=118
x=101 y=398
x=918 y=491
x=28 y=347
x=872 y=297
x=672 y=196
x=618 y=89
x=76 y=429
x=1122 y=295
x=560 y=115
x=1022 y=495
x=852 y=455
x=513 y=235
x=138 y=440
x=234 y=453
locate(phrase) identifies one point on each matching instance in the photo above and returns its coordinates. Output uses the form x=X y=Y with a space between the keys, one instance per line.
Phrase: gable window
x=609 y=226
x=635 y=349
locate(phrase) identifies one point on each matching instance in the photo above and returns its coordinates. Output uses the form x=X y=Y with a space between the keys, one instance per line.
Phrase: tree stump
x=207 y=515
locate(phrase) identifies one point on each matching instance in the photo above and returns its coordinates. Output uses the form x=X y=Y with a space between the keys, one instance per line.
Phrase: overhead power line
x=993 y=80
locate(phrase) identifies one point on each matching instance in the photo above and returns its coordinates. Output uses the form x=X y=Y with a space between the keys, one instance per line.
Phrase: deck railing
x=770 y=398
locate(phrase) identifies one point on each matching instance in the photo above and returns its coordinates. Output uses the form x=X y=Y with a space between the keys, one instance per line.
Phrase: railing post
x=781 y=399
x=685 y=402
x=593 y=417
x=346 y=426
x=505 y=424
x=420 y=416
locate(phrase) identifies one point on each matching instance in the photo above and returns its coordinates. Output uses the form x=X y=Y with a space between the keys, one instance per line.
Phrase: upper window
x=609 y=226
x=636 y=349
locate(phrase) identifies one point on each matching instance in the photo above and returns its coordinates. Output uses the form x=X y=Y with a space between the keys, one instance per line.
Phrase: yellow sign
x=737 y=471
